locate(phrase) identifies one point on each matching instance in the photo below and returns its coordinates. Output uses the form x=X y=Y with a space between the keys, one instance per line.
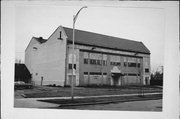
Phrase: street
x=150 y=105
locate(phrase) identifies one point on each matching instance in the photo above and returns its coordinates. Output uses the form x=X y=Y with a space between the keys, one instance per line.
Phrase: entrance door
x=116 y=78
x=146 y=80
x=116 y=81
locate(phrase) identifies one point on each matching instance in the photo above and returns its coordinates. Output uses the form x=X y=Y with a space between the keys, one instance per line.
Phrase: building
x=22 y=73
x=99 y=59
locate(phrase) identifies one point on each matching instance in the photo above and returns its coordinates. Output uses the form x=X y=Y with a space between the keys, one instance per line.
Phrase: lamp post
x=137 y=70
x=141 y=93
x=72 y=80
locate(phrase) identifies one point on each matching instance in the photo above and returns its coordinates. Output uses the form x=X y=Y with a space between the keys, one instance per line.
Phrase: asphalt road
x=150 y=105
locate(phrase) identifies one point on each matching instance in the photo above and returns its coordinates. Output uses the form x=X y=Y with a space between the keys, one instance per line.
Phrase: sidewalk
x=34 y=103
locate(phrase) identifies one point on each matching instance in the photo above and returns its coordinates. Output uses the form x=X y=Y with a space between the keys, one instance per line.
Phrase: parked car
x=22 y=85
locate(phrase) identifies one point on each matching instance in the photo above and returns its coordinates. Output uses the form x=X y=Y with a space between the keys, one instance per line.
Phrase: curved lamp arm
x=75 y=17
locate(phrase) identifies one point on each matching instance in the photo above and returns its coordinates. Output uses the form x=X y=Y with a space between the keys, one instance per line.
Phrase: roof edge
x=109 y=48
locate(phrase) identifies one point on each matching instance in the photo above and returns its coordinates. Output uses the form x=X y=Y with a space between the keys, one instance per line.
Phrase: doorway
x=116 y=78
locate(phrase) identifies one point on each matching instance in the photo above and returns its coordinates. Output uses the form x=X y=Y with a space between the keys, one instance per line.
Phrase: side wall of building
x=30 y=55
x=48 y=66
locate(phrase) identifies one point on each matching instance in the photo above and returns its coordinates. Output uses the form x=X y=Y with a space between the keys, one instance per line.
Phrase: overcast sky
x=134 y=23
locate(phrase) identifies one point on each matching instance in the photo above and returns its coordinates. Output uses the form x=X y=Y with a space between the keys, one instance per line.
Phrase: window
x=95 y=73
x=98 y=62
x=60 y=36
x=92 y=61
x=104 y=62
x=139 y=65
x=131 y=64
x=85 y=73
x=104 y=73
x=125 y=64
x=115 y=63
x=70 y=66
x=146 y=70
x=133 y=74
x=85 y=61
x=118 y=63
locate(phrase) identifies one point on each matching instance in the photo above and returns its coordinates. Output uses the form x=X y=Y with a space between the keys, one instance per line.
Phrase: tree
x=157 y=78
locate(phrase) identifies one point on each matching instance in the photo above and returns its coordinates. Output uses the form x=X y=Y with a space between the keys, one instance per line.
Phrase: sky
x=143 y=24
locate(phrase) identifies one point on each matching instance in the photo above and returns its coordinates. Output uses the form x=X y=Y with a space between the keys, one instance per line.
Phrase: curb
x=109 y=101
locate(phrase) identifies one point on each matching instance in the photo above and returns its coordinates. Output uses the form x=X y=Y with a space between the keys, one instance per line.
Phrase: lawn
x=45 y=91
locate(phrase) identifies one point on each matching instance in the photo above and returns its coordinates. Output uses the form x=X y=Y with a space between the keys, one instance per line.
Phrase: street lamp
x=141 y=93
x=72 y=80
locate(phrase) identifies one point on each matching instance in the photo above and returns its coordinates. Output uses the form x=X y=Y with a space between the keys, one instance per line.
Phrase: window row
x=115 y=63
x=94 y=73
x=99 y=73
x=95 y=62
x=99 y=62
x=133 y=64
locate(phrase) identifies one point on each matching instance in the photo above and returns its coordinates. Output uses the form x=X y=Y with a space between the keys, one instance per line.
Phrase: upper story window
x=139 y=65
x=85 y=61
x=70 y=66
x=60 y=35
x=92 y=61
x=115 y=60
x=97 y=58
x=98 y=62
x=130 y=64
x=86 y=57
x=105 y=62
x=115 y=63
x=146 y=70
x=85 y=73
x=125 y=64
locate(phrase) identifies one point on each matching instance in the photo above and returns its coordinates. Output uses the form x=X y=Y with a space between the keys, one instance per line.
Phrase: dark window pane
x=104 y=62
x=146 y=70
x=132 y=64
x=91 y=61
x=86 y=73
x=70 y=66
x=85 y=61
x=104 y=73
x=98 y=62
x=118 y=63
x=130 y=74
x=138 y=64
x=125 y=64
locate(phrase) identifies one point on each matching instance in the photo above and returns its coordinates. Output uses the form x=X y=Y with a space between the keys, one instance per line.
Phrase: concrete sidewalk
x=78 y=97
x=34 y=103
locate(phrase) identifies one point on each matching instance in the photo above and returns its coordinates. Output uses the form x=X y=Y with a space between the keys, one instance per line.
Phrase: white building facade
x=98 y=60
